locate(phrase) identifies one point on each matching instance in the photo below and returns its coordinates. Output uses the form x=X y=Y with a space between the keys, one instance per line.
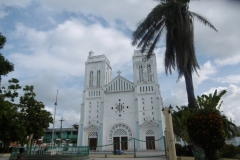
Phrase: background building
x=66 y=133
x=116 y=110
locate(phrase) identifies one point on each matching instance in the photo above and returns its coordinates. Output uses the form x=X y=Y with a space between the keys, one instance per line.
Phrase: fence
x=150 y=148
x=59 y=152
x=129 y=148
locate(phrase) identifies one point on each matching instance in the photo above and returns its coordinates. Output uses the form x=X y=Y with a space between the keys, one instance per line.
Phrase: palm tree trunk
x=190 y=90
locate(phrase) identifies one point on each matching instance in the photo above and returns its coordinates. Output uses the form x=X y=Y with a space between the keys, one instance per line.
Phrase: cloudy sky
x=49 y=40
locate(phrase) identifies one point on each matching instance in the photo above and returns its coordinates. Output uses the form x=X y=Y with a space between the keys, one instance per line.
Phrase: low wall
x=110 y=156
x=185 y=158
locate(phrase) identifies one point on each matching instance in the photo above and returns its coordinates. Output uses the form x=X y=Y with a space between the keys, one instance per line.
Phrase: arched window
x=120 y=132
x=141 y=74
x=149 y=72
x=91 y=79
x=98 y=78
x=93 y=134
x=149 y=132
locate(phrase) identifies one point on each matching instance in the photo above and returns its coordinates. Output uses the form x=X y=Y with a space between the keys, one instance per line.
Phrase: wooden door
x=116 y=141
x=124 y=143
x=93 y=143
x=150 y=142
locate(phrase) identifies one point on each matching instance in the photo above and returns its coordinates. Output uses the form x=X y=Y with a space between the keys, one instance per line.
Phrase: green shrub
x=206 y=131
x=187 y=151
x=178 y=149
x=183 y=151
x=229 y=151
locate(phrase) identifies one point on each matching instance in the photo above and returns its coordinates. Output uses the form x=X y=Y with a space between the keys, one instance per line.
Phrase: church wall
x=112 y=114
x=148 y=108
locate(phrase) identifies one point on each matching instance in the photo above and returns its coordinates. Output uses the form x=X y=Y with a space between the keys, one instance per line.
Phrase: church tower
x=98 y=73
x=147 y=97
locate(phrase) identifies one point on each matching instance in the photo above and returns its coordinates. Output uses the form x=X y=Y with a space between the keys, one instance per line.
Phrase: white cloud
x=233 y=79
x=160 y=60
x=223 y=45
x=66 y=47
x=53 y=59
x=132 y=11
x=22 y=3
x=204 y=73
x=2 y=13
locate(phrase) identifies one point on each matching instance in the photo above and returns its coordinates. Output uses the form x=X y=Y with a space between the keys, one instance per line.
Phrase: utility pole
x=52 y=142
x=61 y=128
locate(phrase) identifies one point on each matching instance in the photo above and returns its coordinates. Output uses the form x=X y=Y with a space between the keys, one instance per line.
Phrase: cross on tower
x=119 y=73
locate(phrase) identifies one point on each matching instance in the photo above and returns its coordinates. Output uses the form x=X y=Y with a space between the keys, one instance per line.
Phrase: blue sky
x=48 y=41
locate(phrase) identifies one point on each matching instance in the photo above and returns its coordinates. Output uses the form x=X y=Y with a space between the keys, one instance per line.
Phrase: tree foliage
x=179 y=119
x=5 y=65
x=19 y=120
x=35 y=118
x=10 y=121
x=173 y=18
x=206 y=127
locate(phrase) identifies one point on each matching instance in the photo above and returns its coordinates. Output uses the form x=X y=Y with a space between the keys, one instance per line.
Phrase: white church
x=117 y=110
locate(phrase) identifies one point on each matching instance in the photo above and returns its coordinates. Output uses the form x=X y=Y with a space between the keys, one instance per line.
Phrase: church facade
x=117 y=110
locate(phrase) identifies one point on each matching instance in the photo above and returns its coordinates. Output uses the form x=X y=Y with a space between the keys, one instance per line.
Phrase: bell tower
x=148 y=100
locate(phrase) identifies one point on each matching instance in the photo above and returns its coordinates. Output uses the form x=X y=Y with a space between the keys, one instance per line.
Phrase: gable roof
x=119 y=84
x=92 y=126
x=149 y=123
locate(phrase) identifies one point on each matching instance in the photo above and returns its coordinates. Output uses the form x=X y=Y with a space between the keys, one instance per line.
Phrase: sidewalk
x=4 y=156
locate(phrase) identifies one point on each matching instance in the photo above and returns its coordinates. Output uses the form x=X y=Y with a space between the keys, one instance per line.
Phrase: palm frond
x=150 y=35
x=153 y=17
x=154 y=42
x=203 y=20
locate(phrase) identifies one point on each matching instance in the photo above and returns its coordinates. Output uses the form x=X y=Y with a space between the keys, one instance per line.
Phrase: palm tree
x=173 y=17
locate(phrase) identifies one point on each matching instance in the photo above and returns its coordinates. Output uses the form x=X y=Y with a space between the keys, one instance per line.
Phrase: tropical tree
x=213 y=102
x=179 y=119
x=28 y=118
x=5 y=65
x=34 y=117
x=10 y=123
x=207 y=127
x=173 y=17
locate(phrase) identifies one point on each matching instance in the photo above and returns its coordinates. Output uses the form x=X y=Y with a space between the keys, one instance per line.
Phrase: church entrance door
x=120 y=143
x=93 y=143
x=124 y=143
x=150 y=142
x=116 y=141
